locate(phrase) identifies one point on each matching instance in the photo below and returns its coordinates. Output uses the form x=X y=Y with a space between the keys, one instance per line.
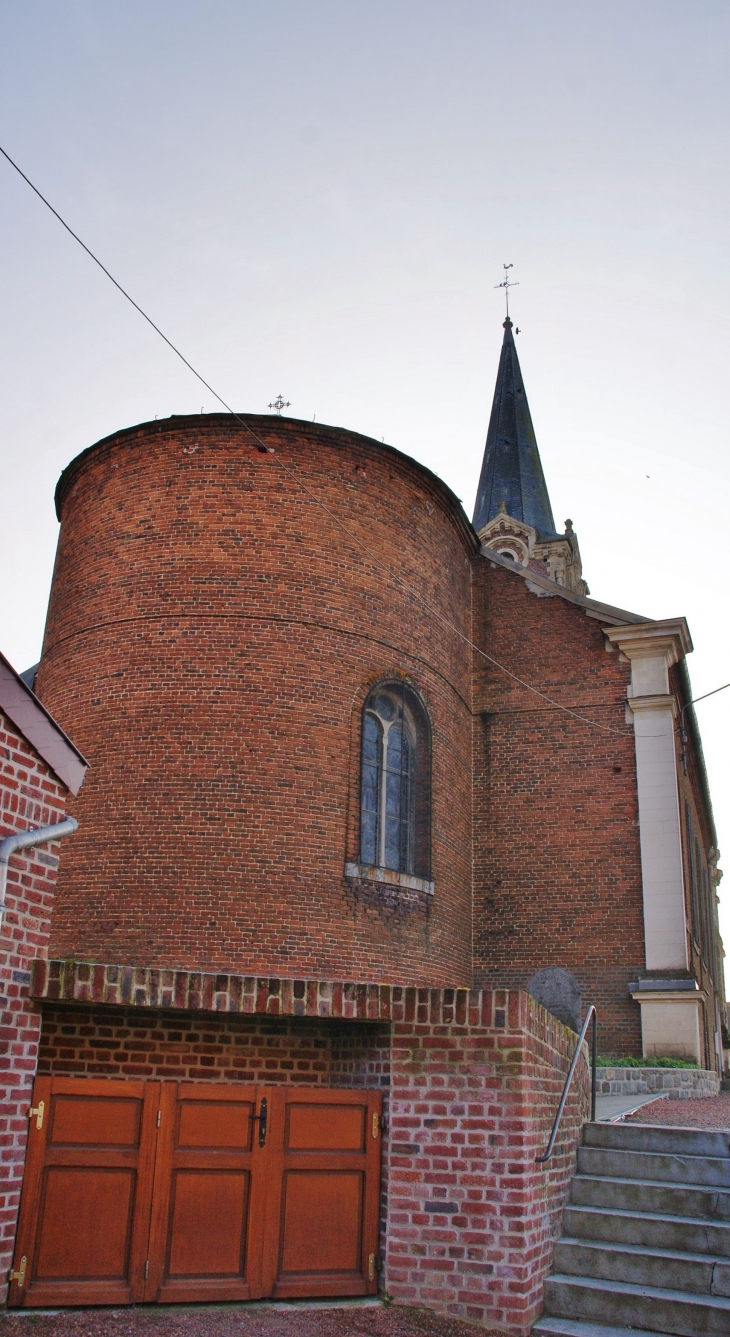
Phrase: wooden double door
x=176 y=1192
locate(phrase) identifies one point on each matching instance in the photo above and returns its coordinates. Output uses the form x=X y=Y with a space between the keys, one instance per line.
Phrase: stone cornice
x=662 y=701
x=669 y=638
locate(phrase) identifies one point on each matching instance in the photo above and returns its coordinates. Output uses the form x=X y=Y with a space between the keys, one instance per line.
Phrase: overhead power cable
x=269 y=450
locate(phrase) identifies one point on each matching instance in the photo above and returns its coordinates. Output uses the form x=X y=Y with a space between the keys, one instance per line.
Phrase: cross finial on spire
x=507 y=284
x=279 y=404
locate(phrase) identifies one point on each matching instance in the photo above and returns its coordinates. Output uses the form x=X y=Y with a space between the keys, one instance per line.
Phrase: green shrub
x=604 y=1061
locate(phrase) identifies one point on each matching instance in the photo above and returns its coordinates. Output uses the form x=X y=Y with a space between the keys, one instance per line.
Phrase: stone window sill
x=370 y=874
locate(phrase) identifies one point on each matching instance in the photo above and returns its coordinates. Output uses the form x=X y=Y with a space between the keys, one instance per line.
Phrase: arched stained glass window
x=395 y=800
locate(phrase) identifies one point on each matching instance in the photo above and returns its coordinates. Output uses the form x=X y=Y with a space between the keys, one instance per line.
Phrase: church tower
x=513 y=514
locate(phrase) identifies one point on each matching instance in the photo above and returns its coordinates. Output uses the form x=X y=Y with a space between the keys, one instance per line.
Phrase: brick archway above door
x=173 y=1192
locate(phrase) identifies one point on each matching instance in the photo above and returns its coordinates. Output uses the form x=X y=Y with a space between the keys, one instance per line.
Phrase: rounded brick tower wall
x=211 y=638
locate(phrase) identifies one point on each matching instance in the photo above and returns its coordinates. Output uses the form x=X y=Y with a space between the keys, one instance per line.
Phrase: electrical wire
x=269 y=450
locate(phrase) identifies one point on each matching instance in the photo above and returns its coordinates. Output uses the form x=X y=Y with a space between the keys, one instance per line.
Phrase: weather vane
x=279 y=404
x=506 y=284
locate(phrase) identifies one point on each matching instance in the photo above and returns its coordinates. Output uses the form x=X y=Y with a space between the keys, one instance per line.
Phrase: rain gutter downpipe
x=23 y=840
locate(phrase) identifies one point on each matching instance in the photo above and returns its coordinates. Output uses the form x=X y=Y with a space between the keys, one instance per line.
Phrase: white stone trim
x=652 y=648
x=671 y=1022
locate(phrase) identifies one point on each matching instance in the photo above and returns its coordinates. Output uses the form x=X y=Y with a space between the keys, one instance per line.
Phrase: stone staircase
x=647 y=1237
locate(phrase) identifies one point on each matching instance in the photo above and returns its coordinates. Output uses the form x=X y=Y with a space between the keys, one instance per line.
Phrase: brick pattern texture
x=178 y=1047
x=30 y=795
x=211 y=637
x=557 y=860
x=471 y=1216
x=471 y=1083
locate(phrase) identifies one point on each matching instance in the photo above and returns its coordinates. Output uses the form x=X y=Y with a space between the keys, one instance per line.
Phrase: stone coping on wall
x=677 y=1083
x=184 y=990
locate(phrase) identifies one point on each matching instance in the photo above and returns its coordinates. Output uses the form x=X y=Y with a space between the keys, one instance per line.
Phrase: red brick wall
x=557 y=876
x=209 y=634
x=29 y=796
x=80 y=1041
x=471 y=1216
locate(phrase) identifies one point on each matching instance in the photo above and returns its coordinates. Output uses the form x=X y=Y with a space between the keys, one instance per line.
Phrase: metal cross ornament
x=507 y=284
x=279 y=404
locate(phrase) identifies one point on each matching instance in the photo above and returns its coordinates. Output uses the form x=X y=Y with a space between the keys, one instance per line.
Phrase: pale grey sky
x=318 y=198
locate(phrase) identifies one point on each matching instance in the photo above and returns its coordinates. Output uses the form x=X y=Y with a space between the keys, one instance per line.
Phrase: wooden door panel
x=77 y=1121
x=309 y=1128
x=208 y=1223
x=321 y=1227
x=84 y=1213
x=213 y=1126
x=72 y=1247
x=322 y=1231
x=204 y=1244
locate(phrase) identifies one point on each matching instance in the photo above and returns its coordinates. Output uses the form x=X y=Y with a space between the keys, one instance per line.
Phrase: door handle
x=261 y=1119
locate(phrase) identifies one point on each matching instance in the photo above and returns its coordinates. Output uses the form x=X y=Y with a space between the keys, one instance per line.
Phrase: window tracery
x=395 y=798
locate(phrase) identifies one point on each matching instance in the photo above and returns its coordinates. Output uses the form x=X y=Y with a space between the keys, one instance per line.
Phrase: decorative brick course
x=30 y=795
x=141 y=986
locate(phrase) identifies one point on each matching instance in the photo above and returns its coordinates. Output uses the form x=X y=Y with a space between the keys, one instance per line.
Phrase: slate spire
x=511 y=470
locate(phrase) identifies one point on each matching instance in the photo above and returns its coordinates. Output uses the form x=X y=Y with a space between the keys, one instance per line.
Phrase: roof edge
x=39 y=728
x=313 y=430
x=593 y=607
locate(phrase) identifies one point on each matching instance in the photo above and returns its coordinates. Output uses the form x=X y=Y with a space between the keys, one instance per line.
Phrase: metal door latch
x=260 y=1119
x=19 y=1276
x=38 y=1112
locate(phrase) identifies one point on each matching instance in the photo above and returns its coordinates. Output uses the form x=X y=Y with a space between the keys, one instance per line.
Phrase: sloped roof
x=31 y=718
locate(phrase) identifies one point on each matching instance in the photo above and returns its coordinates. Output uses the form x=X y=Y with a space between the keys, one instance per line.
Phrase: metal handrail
x=591 y=1015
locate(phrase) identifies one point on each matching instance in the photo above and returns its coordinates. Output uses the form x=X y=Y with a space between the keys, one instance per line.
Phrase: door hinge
x=378 y=1124
x=147 y=1270
x=371 y=1267
x=19 y=1276
x=38 y=1112
x=159 y=1117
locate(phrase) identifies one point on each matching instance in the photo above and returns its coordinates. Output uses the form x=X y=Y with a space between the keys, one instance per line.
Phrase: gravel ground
x=713 y=1112
x=236 y=1321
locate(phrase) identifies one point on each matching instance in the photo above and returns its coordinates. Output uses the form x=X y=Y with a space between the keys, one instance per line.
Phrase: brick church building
x=378 y=801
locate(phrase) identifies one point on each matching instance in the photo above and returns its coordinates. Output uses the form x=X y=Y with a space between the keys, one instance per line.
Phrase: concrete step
x=576 y=1327
x=706 y=1170
x=701 y=1273
x=623 y=1304
x=652 y=1137
x=687 y=1234
x=636 y=1195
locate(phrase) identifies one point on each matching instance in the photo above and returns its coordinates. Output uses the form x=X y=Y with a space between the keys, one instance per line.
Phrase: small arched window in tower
x=395 y=800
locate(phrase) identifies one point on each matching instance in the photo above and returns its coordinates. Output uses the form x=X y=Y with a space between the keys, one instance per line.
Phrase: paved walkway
x=253 y=1320
x=611 y=1108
